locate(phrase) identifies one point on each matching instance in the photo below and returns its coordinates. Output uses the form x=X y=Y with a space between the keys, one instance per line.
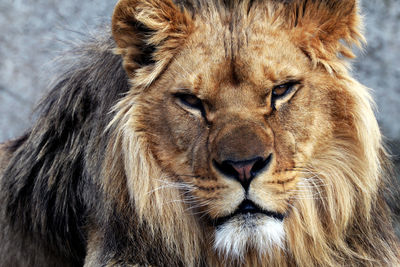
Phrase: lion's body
x=144 y=172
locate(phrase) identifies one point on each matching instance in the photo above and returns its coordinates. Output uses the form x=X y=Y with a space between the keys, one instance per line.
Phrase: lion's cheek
x=273 y=192
x=217 y=198
x=172 y=128
x=182 y=129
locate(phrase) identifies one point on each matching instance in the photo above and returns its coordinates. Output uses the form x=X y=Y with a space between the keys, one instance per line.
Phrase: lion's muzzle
x=242 y=152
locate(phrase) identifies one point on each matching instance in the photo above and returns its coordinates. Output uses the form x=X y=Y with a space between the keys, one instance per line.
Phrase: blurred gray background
x=34 y=32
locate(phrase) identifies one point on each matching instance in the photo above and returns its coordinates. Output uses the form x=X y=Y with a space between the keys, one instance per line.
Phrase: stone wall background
x=34 y=32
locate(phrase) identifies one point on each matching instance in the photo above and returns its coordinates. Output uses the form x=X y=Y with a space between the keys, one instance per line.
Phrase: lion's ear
x=326 y=30
x=148 y=34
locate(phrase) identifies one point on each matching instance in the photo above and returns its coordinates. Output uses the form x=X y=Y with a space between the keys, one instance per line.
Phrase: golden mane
x=342 y=186
x=160 y=202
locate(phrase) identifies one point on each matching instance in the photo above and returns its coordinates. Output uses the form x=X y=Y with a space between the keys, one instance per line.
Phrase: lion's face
x=235 y=119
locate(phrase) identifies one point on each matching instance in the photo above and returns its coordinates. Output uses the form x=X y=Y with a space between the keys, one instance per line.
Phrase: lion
x=205 y=133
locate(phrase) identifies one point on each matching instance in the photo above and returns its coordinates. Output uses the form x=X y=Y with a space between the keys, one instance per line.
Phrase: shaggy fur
x=126 y=164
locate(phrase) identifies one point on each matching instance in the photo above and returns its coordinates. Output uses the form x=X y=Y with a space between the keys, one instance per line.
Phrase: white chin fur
x=248 y=231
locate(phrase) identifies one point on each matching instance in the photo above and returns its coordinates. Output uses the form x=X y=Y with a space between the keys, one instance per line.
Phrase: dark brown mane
x=45 y=184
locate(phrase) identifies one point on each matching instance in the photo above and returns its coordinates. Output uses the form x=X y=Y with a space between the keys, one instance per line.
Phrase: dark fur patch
x=46 y=188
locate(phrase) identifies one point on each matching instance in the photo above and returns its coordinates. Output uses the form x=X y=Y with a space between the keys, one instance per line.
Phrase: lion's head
x=244 y=130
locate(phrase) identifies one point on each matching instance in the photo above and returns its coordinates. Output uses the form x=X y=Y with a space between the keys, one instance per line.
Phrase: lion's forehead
x=216 y=56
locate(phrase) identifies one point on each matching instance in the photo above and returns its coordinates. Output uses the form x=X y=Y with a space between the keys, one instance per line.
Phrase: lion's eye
x=190 y=101
x=283 y=89
x=283 y=92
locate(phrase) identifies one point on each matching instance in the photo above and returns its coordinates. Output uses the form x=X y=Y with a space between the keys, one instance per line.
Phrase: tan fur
x=327 y=173
x=5 y=157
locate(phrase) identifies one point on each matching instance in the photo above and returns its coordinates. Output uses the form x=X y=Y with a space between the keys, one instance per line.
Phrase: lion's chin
x=244 y=232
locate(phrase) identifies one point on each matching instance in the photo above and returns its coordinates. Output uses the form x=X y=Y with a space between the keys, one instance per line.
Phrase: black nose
x=245 y=170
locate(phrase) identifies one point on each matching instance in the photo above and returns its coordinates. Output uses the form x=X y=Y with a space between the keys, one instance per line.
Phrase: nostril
x=260 y=165
x=226 y=167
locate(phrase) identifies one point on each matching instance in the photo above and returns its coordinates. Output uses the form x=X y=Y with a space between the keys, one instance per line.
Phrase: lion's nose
x=245 y=170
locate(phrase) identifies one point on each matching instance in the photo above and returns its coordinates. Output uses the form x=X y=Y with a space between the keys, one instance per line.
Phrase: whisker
x=189 y=175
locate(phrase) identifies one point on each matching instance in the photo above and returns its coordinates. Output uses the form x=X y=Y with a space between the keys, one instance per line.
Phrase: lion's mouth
x=249 y=209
